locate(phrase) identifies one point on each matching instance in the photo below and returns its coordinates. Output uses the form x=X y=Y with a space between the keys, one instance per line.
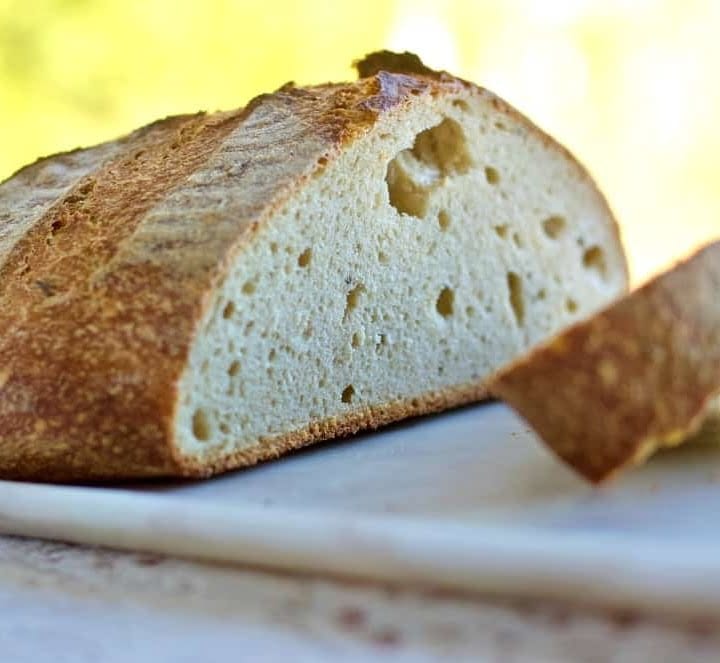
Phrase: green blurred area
x=630 y=87
x=75 y=72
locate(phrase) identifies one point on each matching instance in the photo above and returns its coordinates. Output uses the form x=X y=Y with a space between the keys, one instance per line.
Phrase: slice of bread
x=215 y=290
x=639 y=375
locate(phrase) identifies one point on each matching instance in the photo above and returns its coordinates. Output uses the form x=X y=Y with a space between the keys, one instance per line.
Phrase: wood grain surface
x=60 y=603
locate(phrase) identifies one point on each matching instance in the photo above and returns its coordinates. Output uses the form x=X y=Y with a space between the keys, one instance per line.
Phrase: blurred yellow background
x=631 y=86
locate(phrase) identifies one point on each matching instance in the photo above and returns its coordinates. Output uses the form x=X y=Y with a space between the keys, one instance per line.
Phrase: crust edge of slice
x=641 y=374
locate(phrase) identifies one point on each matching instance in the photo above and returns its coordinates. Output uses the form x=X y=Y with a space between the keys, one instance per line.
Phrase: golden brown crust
x=390 y=62
x=271 y=447
x=76 y=342
x=637 y=376
x=103 y=295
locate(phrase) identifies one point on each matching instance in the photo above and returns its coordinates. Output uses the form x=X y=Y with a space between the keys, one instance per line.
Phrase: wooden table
x=66 y=603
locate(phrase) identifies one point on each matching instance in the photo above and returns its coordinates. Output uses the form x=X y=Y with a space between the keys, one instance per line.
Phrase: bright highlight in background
x=630 y=86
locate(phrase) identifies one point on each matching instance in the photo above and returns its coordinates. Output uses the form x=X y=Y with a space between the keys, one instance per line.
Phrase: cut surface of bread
x=215 y=290
x=637 y=376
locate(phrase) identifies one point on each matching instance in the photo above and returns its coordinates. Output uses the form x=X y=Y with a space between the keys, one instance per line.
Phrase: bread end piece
x=640 y=375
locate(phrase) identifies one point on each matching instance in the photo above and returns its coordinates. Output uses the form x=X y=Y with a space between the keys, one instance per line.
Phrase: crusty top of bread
x=102 y=288
x=642 y=374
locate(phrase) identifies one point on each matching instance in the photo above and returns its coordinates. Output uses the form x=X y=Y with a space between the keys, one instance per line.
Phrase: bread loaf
x=642 y=374
x=215 y=290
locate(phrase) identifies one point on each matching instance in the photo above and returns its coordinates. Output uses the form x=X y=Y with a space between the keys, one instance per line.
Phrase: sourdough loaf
x=215 y=290
x=642 y=374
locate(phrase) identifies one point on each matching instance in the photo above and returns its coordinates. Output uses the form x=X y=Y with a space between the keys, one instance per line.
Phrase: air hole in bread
x=383 y=258
x=228 y=310
x=594 y=258
x=272 y=354
x=492 y=176
x=443 y=147
x=443 y=220
x=554 y=226
x=517 y=298
x=412 y=175
x=234 y=368
x=470 y=311
x=501 y=231
x=571 y=305
x=445 y=302
x=201 y=428
x=406 y=196
x=357 y=339
x=248 y=287
x=518 y=240
x=353 y=299
x=461 y=104
x=305 y=257
x=347 y=394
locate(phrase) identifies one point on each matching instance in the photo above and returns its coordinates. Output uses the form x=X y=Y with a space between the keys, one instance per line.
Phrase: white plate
x=467 y=500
